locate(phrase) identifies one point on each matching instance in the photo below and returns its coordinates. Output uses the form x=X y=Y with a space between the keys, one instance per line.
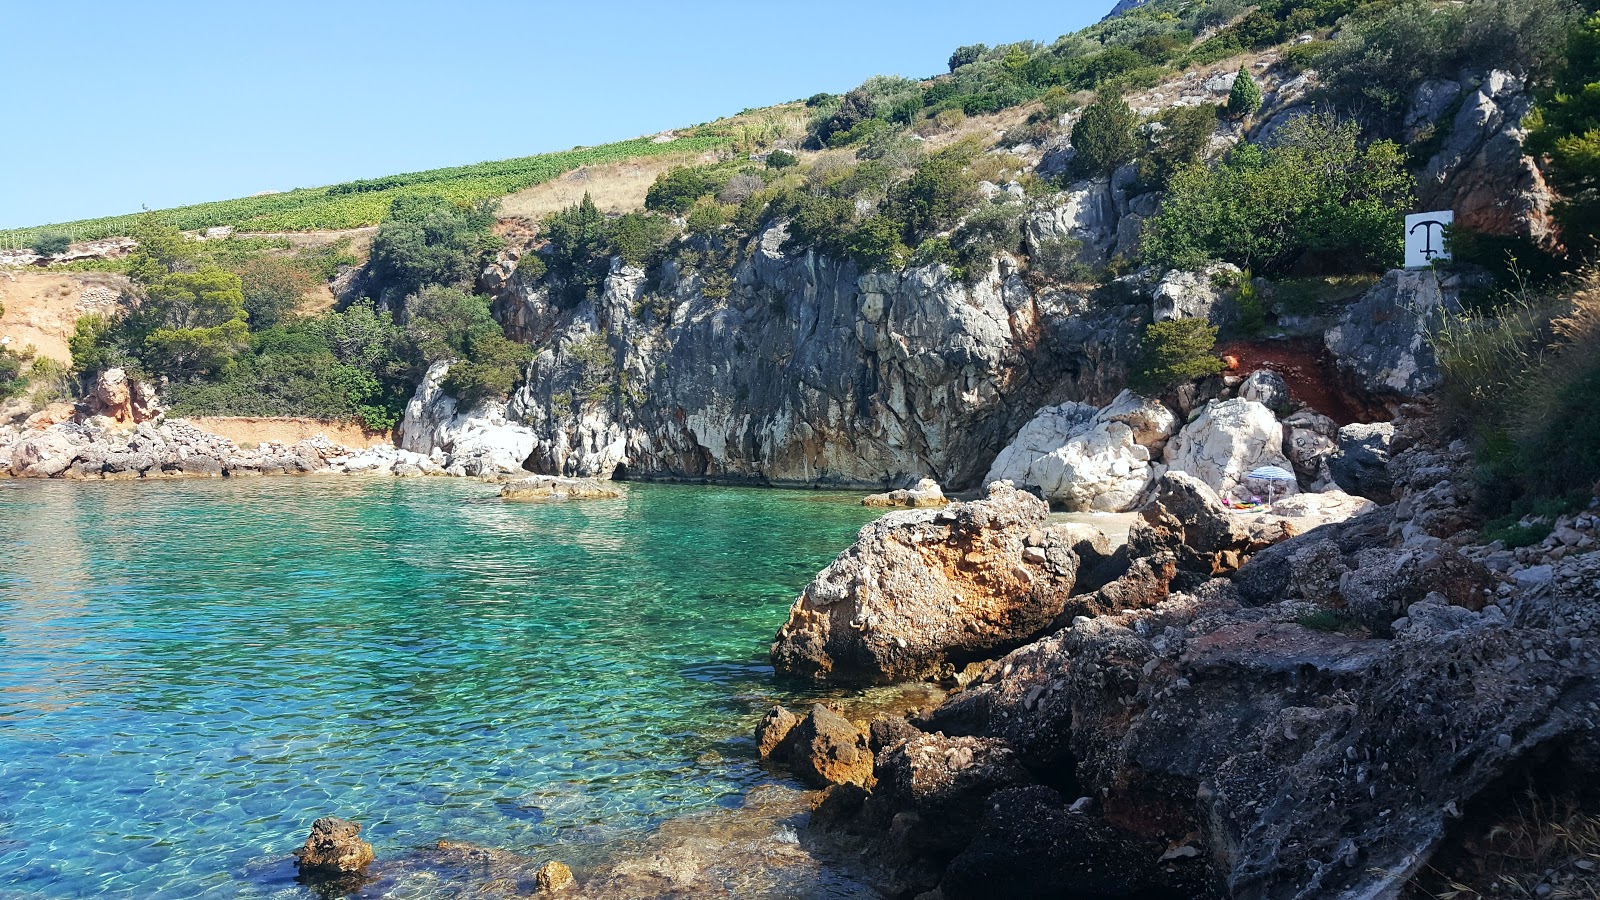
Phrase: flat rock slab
x=550 y=487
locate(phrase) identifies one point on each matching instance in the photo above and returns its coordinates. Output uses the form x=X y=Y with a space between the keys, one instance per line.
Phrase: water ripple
x=191 y=672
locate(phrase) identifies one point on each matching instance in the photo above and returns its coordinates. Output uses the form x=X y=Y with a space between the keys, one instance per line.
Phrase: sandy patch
x=41 y=308
x=260 y=430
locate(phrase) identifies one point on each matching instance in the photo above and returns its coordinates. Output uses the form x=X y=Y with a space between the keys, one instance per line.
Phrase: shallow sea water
x=191 y=672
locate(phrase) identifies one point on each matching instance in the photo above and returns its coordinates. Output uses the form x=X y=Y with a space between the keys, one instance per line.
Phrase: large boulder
x=1228 y=440
x=924 y=494
x=1195 y=295
x=1088 y=459
x=825 y=748
x=1186 y=520
x=921 y=590
x=1361 y=463
x=1309 y=442
x=45 y=454
x=1382 y=340
x=1481 y=171
x=334 y=850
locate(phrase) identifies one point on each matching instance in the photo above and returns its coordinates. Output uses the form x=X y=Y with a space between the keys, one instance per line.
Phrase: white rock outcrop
x=1227 y=441
x=1088 y=459
x=479 y=441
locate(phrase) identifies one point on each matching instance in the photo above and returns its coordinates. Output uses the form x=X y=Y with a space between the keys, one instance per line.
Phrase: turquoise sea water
x=191 y=672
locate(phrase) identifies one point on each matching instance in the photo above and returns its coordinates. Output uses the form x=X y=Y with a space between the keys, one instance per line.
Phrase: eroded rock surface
x=1228 y=440
x=1088 y=459
x=920 y=590
x=333 y=849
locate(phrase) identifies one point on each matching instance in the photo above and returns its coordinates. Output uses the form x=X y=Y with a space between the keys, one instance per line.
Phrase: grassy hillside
x=354 y=204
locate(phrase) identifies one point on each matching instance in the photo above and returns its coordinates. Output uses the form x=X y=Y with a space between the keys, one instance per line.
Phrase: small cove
x=191 y=672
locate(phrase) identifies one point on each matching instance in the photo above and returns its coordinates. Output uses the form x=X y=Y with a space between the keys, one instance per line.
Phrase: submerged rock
x=921 y=590
x=334 y=849
x=550 y=487
x=554 y=877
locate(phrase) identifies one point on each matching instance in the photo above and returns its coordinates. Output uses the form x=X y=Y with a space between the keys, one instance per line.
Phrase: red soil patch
x=1312 y=375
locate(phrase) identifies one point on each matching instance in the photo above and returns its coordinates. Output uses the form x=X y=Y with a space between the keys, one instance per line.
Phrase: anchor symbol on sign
x=1427 y=226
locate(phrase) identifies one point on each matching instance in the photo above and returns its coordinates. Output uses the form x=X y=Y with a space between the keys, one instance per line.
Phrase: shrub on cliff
x=1245 y=97
x=1105 y=136
x=579 y=251
x=51 y=243
x=450 y=324
x=1379 y=58
x=937 y=194
x=1566 y=129
x=1316 y=196
x=641 y=238
x=428 y=240
x=12 y=381
x=273 y=288
x=1174 y=353
x=1182 y=140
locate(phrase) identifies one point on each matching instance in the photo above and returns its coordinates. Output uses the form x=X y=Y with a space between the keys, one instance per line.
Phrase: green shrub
x=939 y=251
x=676 y=189
x=273 y=287
x=579 y=251
x=707 y=217
x=1105 y=136
x=1182 y=141
x=1510 y=531
x=12 y=381
x=1379 y=59
x=1174 y=353
x=426 y=241
x=876 y=244
x=1566 y=128
x=938 y=192
x=52 y=243
x=449 y=324
x=991 y=228
x=1245 y=97
x=1058 y=260
x=1316 y=192
x=641 y=238
x=531 y=265
x=1308 y=55
x=781 y=159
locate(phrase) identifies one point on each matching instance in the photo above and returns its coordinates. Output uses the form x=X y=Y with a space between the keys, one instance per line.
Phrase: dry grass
x=1511 y=858
x=615 y=188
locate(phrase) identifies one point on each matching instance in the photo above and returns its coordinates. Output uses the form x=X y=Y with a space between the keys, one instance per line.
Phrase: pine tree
x=1245 y=98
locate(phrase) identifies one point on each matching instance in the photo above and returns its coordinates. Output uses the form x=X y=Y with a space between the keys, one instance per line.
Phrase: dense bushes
x=1182 y=139
x=51 y=243
x=12 y=381
x=273 y=287
x=1380 y=58
x=582 y=241
x=1105 y=136
x=1315 y=198
x=1175 y=352
x=425 y=241
x=1566 y=128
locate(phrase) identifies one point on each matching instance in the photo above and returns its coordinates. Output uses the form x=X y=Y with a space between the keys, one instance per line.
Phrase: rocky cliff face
x=807 y=371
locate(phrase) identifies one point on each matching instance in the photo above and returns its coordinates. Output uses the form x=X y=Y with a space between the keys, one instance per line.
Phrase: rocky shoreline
x=1244 y=712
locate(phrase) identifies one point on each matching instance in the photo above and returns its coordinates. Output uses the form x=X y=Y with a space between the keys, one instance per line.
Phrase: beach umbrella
x=1272 y=473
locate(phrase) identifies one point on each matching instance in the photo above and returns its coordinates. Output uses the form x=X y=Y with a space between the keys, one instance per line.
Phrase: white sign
x=1425 y=241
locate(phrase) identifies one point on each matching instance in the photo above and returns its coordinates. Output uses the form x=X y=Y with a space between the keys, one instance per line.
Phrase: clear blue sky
x=118 y=105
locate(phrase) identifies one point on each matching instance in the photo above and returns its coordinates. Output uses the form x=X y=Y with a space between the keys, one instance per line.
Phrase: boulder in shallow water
x=334 y=849
x=923 y=589
x=926 y=493
x=551 y=487
x=772 y=733
x=827 y=749
x=553 y=877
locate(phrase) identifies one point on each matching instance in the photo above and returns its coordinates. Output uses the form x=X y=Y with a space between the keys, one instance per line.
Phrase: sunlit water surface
x=191 y=672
